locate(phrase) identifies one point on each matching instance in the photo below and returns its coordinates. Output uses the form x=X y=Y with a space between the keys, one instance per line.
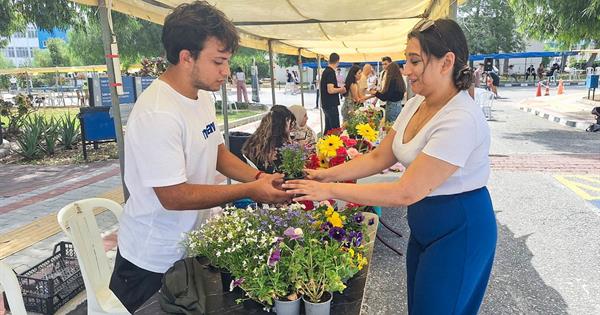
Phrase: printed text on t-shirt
x=210 y=128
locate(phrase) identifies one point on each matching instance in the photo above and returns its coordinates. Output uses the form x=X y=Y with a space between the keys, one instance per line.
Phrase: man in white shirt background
x=173 y=150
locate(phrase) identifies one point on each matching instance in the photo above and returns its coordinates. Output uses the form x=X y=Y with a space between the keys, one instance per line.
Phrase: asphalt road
x=548 y=250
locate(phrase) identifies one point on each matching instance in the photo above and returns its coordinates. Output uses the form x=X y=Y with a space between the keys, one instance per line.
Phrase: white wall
x=21 y=46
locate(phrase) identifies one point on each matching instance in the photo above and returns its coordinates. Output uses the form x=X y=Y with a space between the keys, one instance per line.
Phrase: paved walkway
x=571 y=109
x=30 y=196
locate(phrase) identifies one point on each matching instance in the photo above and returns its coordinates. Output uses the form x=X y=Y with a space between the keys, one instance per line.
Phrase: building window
x=11 y=52
x=19 y=35
x=22 y=52
x=31 y=33
x=31 y=52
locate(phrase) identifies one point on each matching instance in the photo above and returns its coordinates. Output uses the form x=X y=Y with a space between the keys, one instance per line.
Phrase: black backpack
x=596 y=126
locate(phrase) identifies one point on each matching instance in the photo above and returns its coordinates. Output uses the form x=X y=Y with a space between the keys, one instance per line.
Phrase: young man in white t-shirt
x=173 y=150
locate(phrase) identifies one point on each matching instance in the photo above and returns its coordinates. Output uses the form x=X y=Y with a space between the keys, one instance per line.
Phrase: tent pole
x=452 y=10
x=300 y=74
x=272 y=72
x=113 y=68
x=225 y=110
x=320 y=73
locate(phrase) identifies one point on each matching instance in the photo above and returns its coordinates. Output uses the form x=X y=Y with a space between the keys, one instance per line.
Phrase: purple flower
x=371 y=221
x=274 y=257
x=293 y=233
x=326 y=226
x=337 y=233
x=359 y=218
x=236 y=283
x=355 y=238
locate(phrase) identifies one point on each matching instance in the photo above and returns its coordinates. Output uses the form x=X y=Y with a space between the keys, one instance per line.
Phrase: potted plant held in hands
x=292 y=158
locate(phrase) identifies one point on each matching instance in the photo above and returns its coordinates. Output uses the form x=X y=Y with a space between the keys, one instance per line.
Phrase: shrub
x=16 y=113
x=30 y=138
x=50 y=135
x=68 y=130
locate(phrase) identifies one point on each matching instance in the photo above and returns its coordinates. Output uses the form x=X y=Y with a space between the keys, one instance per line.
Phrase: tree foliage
x=565 y=21
x=136 y=39
x=57 y=54
x=46 y=14
x=490 y=27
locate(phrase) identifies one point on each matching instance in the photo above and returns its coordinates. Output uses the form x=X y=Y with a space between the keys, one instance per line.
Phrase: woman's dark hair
x=351 y=78
x=444 y=36
x=393 y=74
x=190 y=24
x=270 y=135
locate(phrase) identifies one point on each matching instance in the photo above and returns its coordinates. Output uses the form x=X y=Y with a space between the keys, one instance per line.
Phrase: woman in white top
x=240 y=83
x=443 y=139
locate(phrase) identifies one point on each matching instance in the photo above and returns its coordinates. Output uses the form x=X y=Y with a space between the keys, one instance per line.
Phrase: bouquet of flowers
x=370 y=115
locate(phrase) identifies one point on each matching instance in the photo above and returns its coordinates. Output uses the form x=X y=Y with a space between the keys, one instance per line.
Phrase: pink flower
x=352 y=153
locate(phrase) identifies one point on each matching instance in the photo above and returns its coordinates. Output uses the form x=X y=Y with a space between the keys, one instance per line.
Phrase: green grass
x=233 y=115
x=48 y=112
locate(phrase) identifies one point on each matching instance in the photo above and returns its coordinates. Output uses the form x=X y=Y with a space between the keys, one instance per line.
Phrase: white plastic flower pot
x=322 y=308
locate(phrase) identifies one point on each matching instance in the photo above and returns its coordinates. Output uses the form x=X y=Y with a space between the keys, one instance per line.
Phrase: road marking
x=585 y=186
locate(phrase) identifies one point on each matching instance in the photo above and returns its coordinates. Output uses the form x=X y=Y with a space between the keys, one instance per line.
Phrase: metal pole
x=113 y=68
x=320 y=74
x=272 y=72
x=300 y=73
x=225 y=110
x=452 y=10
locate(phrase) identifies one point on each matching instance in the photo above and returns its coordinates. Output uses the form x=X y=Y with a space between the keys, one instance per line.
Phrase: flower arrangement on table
x=371 y=115
x=278 y=253
x=338 y=146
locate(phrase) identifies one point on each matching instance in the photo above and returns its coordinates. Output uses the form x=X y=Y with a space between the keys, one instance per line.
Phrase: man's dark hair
x=333 y=58
x=386 y=58
x=191 y=24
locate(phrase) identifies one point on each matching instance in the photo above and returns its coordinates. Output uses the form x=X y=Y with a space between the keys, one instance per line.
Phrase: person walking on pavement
x=240 y=83
x=330 y=93
x=444 y=140
x=174 y=148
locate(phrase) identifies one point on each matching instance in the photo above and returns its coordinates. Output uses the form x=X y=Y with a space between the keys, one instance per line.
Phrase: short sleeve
x=157 y=143
x=330 y=78
x=453 y=138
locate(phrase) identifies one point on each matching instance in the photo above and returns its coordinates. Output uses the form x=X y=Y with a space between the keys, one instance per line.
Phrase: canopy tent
x=356 y=30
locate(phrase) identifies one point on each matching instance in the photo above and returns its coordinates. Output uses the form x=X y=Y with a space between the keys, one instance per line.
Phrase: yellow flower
x=329 y=211
x=335 y=220
x=351 y=252
x=367 y=132
x=328 y=146
x=362 y=261
x=317 y=224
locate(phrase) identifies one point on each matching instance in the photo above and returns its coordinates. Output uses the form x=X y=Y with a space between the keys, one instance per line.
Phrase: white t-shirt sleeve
x=453 y=138
x=157 y=142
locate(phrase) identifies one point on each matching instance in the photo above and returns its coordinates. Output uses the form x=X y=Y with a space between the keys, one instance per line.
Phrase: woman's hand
x=308 y=190
x=318 y=175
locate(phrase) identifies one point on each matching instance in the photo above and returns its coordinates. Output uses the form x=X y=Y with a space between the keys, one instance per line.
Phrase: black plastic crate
x=53 y=282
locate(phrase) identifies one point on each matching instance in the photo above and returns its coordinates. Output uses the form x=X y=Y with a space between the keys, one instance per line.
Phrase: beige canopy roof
x=358 y=30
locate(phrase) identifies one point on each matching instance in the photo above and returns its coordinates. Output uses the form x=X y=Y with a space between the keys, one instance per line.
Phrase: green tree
x=245 y=57
x=567 y=22
x=5 y=63
x=46 y=14
x=57 y=54
x=136 y=39
x=490 y=27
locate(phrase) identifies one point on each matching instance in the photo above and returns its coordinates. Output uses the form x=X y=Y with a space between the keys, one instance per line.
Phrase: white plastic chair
x=484 y=99
x=12 y=289
x=78 y=221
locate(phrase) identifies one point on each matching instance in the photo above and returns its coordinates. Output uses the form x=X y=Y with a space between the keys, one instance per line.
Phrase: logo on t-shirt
x=210 y=128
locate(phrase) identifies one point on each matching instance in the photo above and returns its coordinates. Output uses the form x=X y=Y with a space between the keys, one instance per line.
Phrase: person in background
x=443 y=139
x=392 y=92
x=478 y=74
x=301 y=132
x=318 y=86
x=174 y=149
x=540 y=71
x=530 y=72
x=493 y=81
x=353 y=99
x=339 y=77
x=368 y=79
x=273 y=132
x=289 y=82
x=330 y=93
x=512 y=73
x=240 y=84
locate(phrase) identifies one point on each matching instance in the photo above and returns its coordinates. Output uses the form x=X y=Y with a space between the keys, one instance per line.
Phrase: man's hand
x=343 y=90
x=318 y=175
x=267 y=189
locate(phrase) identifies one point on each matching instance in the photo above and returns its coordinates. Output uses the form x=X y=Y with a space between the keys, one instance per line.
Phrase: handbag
x=184 y=287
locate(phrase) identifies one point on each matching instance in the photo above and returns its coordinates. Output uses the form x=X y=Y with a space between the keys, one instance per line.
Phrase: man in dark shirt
x=330 y=94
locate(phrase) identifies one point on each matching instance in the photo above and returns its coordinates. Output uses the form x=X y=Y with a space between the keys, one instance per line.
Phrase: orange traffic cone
x=539 y=90
x=561 y=87
x=547 y=93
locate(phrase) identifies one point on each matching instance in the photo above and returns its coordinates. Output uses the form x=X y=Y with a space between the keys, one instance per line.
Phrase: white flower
x=218 y=254
x=298 y=231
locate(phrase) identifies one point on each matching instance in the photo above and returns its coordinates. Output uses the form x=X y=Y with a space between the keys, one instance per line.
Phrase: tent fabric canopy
x=356 y=30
